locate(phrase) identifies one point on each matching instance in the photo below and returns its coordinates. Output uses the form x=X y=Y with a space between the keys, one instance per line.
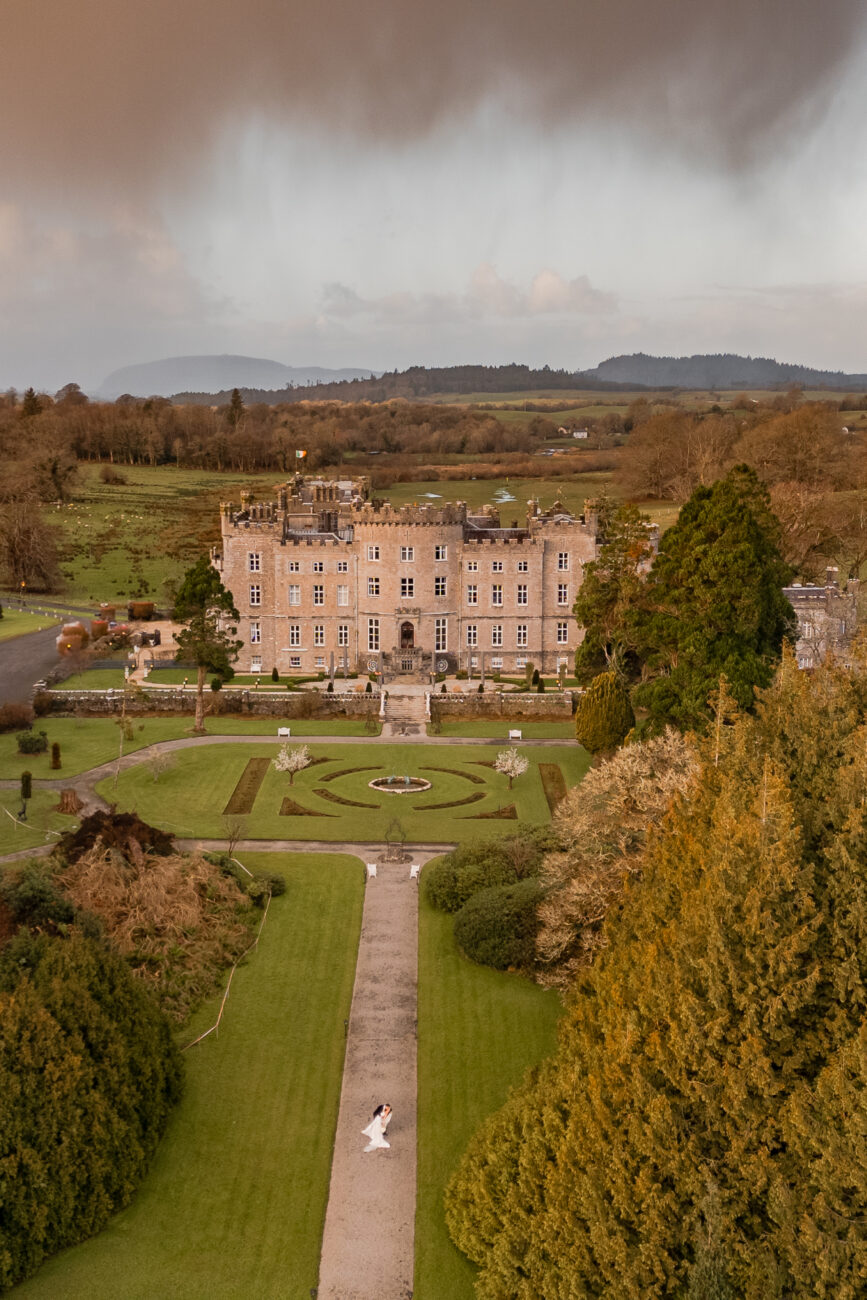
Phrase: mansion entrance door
x=407 y=636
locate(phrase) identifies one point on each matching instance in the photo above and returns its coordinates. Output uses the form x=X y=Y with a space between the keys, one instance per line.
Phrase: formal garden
x=332 y=798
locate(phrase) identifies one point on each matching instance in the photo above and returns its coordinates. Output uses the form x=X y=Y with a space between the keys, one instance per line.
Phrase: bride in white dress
x=375 y=1131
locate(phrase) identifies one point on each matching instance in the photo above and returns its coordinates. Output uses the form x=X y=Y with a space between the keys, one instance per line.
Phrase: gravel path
x=368 y=1246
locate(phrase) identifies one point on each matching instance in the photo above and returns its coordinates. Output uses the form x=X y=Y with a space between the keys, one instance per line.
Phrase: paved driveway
x=23 y=660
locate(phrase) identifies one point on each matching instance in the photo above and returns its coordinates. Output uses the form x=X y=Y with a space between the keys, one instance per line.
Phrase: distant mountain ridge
x=215 y=374
x=720 y=370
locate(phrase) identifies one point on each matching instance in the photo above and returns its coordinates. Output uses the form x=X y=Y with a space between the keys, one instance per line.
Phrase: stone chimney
x=832 y=575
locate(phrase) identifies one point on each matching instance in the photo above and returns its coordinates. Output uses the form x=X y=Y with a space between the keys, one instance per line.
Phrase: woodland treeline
x=814 y=467
x=243 y=438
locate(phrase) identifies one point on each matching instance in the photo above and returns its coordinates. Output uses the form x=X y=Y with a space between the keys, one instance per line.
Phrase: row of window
x=295 y=634
x=407 y=591
x=472 y=632
x=407 y=556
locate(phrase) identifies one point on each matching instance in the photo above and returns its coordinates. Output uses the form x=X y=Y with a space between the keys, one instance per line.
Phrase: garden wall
x=275 y=704
x=552 y=706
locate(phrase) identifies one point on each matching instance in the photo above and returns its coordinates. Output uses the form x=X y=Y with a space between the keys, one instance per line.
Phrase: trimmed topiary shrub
x=32 y=742
x=497 y=927
x=55 y=755
x=275 y=676
x=604 y=714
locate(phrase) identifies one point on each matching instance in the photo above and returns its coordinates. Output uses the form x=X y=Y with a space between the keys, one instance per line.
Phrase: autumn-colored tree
x=701 y=1130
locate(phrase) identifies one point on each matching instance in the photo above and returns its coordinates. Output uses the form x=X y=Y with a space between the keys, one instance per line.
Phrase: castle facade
x=327 y=579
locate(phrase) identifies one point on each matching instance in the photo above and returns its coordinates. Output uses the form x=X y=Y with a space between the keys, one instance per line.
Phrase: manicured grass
x=19 y=622
x=500 y=729
x=40 y=818
x=299 y=726
x=177 y=676
x=478 y=1032
x=190 y=798
x=234 y=1203
x=94 y=679
x=84 y=743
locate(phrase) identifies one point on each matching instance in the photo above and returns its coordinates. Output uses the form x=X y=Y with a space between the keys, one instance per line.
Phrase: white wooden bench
x=414 y=871
x=516 y=735
x=283 y=731
x=371 y=870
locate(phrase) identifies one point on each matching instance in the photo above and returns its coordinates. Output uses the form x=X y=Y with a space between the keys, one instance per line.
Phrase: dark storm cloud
x=124 y=91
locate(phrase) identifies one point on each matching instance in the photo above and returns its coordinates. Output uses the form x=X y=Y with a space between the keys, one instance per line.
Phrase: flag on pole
x=299 y=455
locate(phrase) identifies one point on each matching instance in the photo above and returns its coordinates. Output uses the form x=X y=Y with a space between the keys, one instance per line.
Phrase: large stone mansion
x=326 y=578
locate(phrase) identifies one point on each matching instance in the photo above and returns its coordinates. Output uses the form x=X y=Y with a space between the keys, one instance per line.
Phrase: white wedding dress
x=375 y=1132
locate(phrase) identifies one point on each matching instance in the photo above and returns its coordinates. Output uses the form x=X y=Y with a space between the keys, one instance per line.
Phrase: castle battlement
x=326 y=577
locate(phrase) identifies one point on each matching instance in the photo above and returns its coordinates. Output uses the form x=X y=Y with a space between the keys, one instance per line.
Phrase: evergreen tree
x=203 y=604
x=713 y=603
x=235 y=409
x=604 y=715
x=30 y=404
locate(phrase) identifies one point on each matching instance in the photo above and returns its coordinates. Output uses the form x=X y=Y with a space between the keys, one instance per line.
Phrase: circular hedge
x=498 y=926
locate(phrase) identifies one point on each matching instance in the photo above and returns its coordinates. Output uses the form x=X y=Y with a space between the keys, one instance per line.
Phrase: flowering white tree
x=292 y=760
x=511 y=764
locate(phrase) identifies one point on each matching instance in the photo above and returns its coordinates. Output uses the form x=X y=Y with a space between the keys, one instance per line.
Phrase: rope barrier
x=45 y=831
x=216 y=1024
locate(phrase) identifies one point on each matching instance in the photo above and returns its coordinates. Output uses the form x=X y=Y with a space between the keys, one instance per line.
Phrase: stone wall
x=552 y=706
x=275 y=704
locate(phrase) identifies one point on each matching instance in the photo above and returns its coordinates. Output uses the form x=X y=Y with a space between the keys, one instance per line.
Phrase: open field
x=19 y=622
x=479 y=1031
x=571 y=491
x=124 y=540
x=234 y=1203
x=190 y=799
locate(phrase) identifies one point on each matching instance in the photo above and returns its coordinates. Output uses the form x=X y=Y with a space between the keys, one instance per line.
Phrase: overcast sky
x=374 y=184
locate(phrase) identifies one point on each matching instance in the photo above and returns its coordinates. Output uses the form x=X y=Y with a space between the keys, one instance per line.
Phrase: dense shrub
x=32 y=742
x=497 y=927
x=455 y=878
x=33 y=898
x=604 y=715
x=88 y=1075
x=13 y=717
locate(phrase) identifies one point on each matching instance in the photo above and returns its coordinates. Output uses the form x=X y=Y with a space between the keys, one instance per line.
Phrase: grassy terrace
x=332 y=799
x=234 y=1204
x=479 y=1031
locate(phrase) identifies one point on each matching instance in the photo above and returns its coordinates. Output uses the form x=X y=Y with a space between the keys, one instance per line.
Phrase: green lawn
x=189 y=799
x=40 y=818
x=19 y=622
x=88 y=742
x=234 y=1203
x=94 y=679
x=84 y=743
x=478 y=1032
x=500 y=729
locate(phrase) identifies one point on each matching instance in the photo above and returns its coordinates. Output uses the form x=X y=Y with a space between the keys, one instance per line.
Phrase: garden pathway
x=368 y=1245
